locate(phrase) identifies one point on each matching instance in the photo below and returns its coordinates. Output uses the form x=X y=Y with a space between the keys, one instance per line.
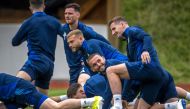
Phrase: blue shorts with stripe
x=40 y=68
x=17 y=92
x=152 y=77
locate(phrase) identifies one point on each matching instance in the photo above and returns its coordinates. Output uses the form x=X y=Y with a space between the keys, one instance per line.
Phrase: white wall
x=12 y=58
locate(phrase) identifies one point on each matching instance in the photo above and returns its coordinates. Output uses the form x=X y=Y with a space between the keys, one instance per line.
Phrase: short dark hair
x=73 y=5
x=72 y=90
x=36 y=3
x=116 y=19
x=91 y=56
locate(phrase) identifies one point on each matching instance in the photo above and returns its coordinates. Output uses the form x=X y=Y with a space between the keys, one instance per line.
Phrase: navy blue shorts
x=152 y=77
x=167 y=91
x=26 y=94
x=40 y=68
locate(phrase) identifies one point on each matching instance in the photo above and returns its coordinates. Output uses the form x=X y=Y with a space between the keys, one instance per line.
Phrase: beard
x=119 y=35
x=69 y=20
x=102 y=68
x=74 y=49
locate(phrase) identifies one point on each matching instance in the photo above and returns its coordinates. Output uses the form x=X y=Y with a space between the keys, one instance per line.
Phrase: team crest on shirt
x=128 y=39
x=88 y=54
x=64 y=35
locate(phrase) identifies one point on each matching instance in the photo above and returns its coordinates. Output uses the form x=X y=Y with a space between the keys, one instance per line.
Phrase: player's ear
x=81 y=91
x=78 y=15
x=31 y=8
x=44 y=6
x=81 y=37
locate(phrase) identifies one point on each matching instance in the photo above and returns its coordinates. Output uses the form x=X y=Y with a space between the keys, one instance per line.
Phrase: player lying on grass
x=17 y=93
x=96 y=85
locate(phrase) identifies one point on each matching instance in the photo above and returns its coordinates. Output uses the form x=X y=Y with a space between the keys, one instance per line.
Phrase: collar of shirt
x=39 y=13
x=84 y=45
x=126 y=34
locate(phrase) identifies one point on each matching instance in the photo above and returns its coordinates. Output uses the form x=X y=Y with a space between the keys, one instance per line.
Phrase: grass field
x=55 y=92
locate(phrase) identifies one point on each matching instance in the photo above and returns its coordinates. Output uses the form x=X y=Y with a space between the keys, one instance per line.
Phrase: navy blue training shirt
x=138 y=41
x=40 y=31
x=95 y=46
x=73 y=59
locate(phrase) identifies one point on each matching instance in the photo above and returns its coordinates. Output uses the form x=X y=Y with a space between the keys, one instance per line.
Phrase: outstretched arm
x=20 y=35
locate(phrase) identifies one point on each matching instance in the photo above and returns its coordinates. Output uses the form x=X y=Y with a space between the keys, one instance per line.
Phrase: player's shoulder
x=136 y=28
x=53 y=18
x=27 y=21
x=65 y=26
x=84 y=26
x=94 y=41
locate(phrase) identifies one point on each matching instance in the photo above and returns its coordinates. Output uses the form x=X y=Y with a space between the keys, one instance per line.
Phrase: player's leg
x=84 y=75
x=44 y=91
x=113 y=74
x=182 y=93
x=142 y=104
x=42 y=84
x=125 y=70
x=149 y=94
x=168 y=96
x=24 y=75
x=2 y=106
x=44 y=70
x=95 y=102
x=188 y=106
x=26 y=71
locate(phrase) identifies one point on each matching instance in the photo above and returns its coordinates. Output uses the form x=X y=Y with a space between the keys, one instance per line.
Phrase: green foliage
x=168 y=22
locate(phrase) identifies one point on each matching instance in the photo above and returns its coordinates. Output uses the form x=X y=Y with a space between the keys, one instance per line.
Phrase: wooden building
x=92 y=11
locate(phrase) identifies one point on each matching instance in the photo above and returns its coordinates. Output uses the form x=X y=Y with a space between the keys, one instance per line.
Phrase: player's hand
x=145 y=57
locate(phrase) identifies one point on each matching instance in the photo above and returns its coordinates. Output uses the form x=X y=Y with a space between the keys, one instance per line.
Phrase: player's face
x=80 y=94
x=74 y=43
x=117 y=29
x=97 y=63
x=71 y=16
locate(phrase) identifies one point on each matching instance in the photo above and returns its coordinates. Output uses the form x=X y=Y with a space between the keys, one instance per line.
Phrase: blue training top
x=40 y=31
x=95 y=46
x=74 y=59
x=7 y=86
x=17 y=92
x=98 y=85
x=130 y=88
x=138 y=41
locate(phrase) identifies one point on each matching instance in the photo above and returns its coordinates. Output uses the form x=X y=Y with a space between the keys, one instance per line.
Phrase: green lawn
x=55 y=92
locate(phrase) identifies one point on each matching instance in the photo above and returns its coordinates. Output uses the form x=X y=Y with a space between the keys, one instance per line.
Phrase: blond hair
x=76 y=32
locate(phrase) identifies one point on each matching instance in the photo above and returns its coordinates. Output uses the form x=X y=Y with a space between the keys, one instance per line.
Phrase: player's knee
x=83 y=78
x=24 y=75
